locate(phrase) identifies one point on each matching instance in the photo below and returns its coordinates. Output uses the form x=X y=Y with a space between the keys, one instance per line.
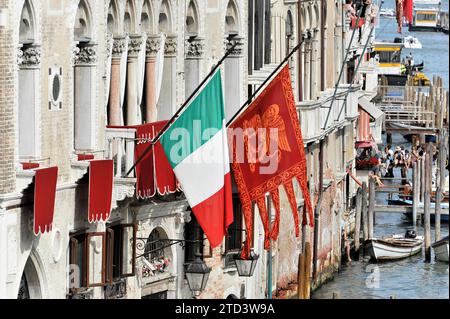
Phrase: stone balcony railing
x=313 y=114
x=120 y=148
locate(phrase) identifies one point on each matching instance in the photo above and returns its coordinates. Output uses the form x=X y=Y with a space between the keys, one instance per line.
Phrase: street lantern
x=197 y=274
x=246 y=267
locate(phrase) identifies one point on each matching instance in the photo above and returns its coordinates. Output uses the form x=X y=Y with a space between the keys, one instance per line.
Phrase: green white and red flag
x=197 y=148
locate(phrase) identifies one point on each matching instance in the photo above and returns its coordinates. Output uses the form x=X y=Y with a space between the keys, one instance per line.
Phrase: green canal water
x=410 y=278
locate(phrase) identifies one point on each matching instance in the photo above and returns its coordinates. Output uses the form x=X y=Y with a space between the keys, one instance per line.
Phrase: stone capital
x=134 y=45
x=238 y=41
x=29 y=55
x=153 y=44
x=170 y=46
x=194 y=48
x=118 y=47
x=85 y=53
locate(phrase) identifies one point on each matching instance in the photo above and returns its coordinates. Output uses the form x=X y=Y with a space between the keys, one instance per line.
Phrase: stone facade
x=88 y=48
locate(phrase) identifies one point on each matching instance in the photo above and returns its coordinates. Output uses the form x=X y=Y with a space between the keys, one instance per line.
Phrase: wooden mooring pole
x=422 y=178
x=371 y=210
x=301 y=276
x=427 y=200
x=364 y=219
x=416 y=192
x=307 y=280
x=358 y=220
x=440 y=184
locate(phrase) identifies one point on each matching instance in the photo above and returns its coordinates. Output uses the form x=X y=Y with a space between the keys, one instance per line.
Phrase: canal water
x=410 y=278
x=434 y=52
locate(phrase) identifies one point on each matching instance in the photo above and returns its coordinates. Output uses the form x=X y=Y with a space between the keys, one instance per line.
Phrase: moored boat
x=441 y=249
x=387 y=12
x=395 y=247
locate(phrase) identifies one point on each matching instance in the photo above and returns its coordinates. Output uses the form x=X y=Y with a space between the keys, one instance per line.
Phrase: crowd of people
x=365 y=9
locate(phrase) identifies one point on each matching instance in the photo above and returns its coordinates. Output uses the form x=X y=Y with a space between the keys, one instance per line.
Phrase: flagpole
x=267 y=80
x=177 y=113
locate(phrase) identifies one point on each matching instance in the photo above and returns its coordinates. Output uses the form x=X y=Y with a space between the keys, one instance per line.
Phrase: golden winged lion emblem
x=260 y=145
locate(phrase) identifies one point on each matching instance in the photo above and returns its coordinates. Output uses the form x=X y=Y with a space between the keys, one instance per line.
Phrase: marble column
x=167 y=97
x=85 y=62
x=29 y=61
x=114 y=91
x=152 y=48
x=193 y=55
x=132 y=100
x=307 y=70
x=315 y=63
x=233 y=89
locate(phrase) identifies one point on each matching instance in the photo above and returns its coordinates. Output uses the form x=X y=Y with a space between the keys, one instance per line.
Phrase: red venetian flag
x=269 y=153
x=100 y=189
x=44 y=198
x=154 y=173
x=408 y=10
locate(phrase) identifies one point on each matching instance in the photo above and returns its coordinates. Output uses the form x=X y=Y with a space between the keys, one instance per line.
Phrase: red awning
x=29 y=165
x=85 y=157
x=154 y=173
x=364 y=144
x=44 y=198
x=100 y=189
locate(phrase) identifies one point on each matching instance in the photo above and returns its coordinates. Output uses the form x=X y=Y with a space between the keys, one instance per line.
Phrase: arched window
x=155 y=246
x=192 y=20
x=29 y=85
x=147 y=17
x=112 y=25
x=166 y=103
x=129 y=22
x=289 y=29
x=231 y=19
x=233 y=65
x=164 y=20
x=158 y=253
x=27 y=24
x=84 y=79
x=82 y=28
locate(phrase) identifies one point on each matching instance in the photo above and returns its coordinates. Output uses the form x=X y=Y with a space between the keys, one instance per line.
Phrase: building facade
x=77 y=75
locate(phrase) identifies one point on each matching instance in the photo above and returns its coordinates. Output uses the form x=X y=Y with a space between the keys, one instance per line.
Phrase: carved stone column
x=193 y=54
x=85 y=61
x=114 y=91
x=167 y=98
x=29 y=61
x=233 y=93
x=307 y=70
x=152 y=47
x=315 y=62
x=133 y=51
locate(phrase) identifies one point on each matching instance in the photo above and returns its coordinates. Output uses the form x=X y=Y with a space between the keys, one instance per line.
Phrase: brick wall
x=8 y=79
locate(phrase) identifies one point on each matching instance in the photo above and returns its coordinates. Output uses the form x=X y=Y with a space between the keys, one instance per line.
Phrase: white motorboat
x=411 y=42
x=388 y=12
x=395 y=247
x=441 y=249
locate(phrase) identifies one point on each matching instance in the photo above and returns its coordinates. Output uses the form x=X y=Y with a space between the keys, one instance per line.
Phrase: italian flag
x=197 y=148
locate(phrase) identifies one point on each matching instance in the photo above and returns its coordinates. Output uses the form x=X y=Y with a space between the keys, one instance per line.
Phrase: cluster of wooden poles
x=422 y=192
x=422 y=189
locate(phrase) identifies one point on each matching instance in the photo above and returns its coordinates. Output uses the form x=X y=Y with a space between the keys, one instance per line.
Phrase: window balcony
x=120 y=148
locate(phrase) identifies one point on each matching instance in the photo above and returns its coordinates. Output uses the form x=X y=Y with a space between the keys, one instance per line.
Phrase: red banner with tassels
x=268 y=152
x=154 y=173
x=44 y=198
x=100 y=189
